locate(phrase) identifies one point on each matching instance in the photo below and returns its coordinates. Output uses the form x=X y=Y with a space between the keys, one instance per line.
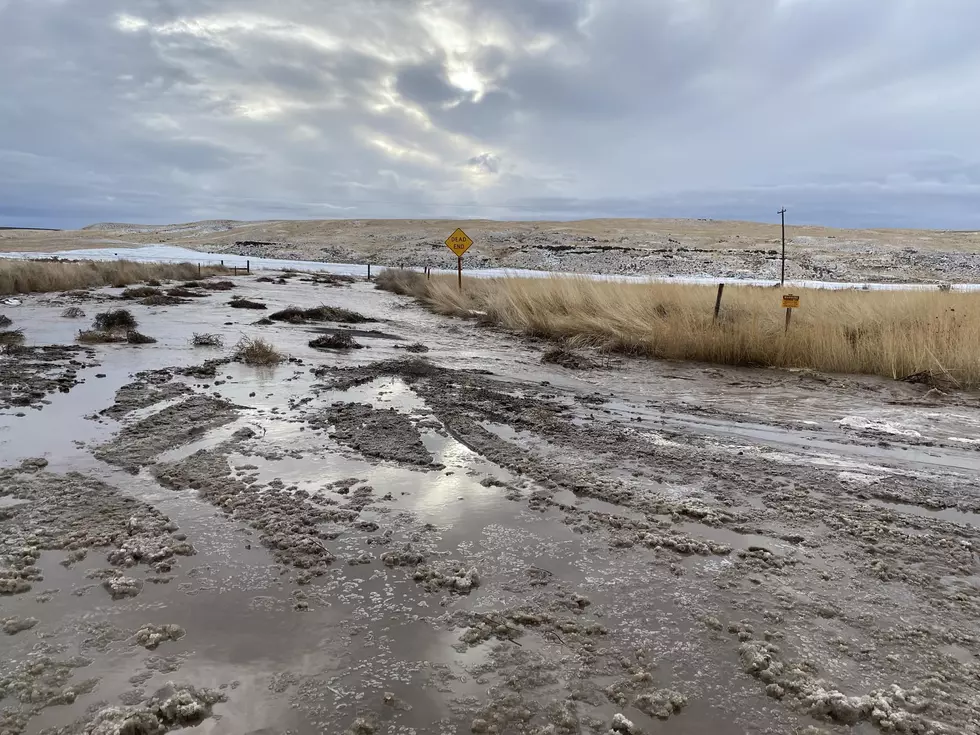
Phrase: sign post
x=782 y=272
x=459 y=242
x=790 y=302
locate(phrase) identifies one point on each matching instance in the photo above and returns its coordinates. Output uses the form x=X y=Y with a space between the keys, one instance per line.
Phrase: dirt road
x=465 y=540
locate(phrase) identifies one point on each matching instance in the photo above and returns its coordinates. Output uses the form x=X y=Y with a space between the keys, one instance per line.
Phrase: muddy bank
x=28 y=375
x=174 y=426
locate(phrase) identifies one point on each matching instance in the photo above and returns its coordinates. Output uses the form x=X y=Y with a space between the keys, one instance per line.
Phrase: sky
x=859 y=113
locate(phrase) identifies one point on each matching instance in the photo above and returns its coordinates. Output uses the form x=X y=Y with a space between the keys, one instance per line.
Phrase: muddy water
x=638 y=542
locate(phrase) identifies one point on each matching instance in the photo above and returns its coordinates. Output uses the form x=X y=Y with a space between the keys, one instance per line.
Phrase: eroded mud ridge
x=28 y=375
x=411 y=545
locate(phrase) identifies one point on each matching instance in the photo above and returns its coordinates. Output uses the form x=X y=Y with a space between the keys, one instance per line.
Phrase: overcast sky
x=848 y=112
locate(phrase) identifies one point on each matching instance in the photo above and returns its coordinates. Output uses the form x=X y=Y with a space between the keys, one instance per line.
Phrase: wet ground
x=466 y=540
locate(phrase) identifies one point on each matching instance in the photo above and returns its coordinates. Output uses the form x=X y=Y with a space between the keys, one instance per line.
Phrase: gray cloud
x=850 y=112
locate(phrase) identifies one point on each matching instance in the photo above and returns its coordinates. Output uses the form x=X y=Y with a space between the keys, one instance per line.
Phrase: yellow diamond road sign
x=459 y=242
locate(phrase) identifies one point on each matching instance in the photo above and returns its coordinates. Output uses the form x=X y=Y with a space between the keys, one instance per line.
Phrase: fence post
x=721 y=288
x=198 y=268
x=248 y=267
x=369 y=271
x=222 y=263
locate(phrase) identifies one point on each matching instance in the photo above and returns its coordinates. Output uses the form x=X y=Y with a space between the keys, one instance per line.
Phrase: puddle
x=946 y=514
x=735 y=540
x=567 y=497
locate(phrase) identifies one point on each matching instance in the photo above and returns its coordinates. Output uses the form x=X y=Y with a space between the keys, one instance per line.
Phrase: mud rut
x=472 y=542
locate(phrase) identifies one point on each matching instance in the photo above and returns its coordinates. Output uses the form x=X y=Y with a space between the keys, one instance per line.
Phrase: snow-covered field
x=174 y=254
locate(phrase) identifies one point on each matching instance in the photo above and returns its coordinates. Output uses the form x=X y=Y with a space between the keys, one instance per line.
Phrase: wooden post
x=721 y=287
x=369 y=271
x=459 y=266
x=199 y=268
x=789 y=314
x=222 y=263
x=248 y=267
x=428 y=273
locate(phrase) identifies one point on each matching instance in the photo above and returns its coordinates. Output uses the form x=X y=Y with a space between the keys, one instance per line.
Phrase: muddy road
x=439 y=534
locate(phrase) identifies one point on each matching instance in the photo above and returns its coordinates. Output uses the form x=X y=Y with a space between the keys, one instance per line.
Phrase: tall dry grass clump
x=33 y=276
x=257 y=351
x=895 y=334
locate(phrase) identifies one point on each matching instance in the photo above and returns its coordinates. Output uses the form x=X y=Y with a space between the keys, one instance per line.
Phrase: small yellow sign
x=791 y=301
x=459 y=242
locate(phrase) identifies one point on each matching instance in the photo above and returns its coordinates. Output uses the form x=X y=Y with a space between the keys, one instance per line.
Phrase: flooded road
x=460 y=539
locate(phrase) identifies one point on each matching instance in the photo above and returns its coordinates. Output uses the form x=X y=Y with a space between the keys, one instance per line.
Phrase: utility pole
x=782 y=275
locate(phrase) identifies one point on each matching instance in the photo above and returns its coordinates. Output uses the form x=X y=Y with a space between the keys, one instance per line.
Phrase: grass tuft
x=5 y=321
x=36 y=276
x=256 y=351
x=894 y=334
x=114 y=320
x=73 y=312
x=12 y=337
x=207 y=340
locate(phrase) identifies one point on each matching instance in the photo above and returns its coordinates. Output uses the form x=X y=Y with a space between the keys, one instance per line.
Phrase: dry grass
x=895 y=334
x=34 y=276
x=114 y=320
x=207 y=340
x=12 y=337
x=73 y=312
x=256 y=351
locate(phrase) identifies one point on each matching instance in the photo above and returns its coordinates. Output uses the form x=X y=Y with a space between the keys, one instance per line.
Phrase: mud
x=28 y=375
x=75 y=513
x=174 y=426
x=478 y=542
x=148 y=390
x=384 y=434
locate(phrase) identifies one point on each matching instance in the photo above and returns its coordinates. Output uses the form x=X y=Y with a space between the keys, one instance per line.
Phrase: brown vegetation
x=256 y=351
x=115 y=320
x=12 y=337
x=34 y=276
x=889 y=333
